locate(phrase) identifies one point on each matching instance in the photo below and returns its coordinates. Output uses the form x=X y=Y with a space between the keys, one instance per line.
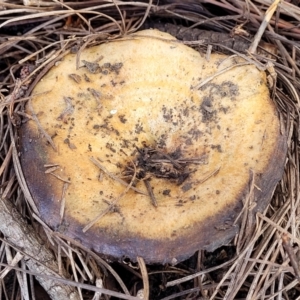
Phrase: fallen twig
x=23 y=236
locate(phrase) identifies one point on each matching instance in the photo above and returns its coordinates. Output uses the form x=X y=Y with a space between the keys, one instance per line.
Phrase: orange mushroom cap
x=149 y=149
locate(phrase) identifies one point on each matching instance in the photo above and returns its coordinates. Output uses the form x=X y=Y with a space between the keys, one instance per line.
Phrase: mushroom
x=149 y=148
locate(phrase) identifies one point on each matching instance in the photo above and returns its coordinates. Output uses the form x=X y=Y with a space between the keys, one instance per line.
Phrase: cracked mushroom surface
x=149 y=149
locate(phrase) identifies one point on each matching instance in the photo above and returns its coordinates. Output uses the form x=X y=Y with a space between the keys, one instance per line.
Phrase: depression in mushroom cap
x=148 y=149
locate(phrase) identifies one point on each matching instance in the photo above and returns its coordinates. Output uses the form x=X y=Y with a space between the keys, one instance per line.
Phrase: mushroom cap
x=147 y=119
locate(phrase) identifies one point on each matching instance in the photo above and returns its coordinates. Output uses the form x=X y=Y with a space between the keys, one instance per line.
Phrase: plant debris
x=155 y=162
